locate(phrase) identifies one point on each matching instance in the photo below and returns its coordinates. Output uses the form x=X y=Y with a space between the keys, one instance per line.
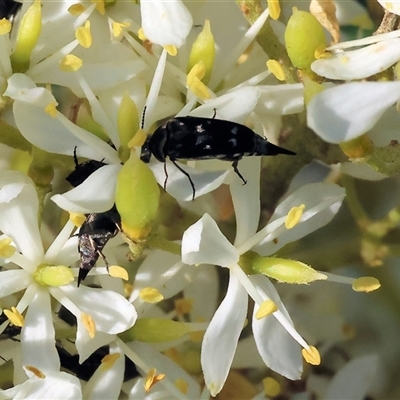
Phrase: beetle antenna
x=143 y=116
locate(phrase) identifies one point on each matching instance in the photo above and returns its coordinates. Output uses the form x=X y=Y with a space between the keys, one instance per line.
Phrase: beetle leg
x=188 y=176
x=235 y=168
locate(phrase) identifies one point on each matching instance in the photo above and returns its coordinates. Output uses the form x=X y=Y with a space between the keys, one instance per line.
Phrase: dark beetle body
x=98 y=228
x=195 y=138
x=94 y=234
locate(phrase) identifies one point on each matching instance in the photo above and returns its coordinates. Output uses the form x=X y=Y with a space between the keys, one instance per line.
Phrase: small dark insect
x=195 y=138
x=9 y=9
x=98 y=228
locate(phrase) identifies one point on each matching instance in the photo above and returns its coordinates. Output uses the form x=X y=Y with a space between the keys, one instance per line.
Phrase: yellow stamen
x=109 y=360
x=183 y=306
x=141 y=34
x=70 y=63
x=274 y=8
x=152 y=379
x=100 y=6
x=271 y=387
x=267 y=308
x=118 y=272
x=366 y=284
x=117 y=27
x=171 y=50
x=276 y=68
x=89 y=324
x=294 y=216
x=6 y=250
x=77 y=219
x=83 y=35
x=194 y=83
x=15 y=317
x=311 y=355
x=182 y=385
x=5 y=26
x=51 y=109
x=37 y=372
x=138 y=139
x=76 y=9
x=150 y=295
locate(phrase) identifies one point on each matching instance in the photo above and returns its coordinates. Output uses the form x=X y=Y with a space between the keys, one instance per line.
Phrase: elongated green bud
x=28 y=35
x=137 y=197
x=304 y=36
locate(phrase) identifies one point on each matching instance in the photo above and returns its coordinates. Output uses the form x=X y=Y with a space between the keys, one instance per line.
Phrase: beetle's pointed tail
x=273 y=150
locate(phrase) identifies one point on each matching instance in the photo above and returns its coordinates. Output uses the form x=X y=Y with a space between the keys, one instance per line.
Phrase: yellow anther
x=171 y=50
x=37 y=372
x=366 y=284
x=311 y=355
x=70 y=63
x=150 y=295
x=117 y=27
x=138 y=139
x=183 y=306
x=266 y=308
x=100 y=6
x=293 y=216
x=83 y=35
x=141 y=34
x=15 y=317
x=89 y=324
x=276 y=68
x=5 y=26
x=76 y=9
x=118 y=272
x=51 y=109
x=182 y=385
x=77 y=219
x=109 y=360
x=274 y=8
x=271 y=387
x=152 y=379
x=6 y=249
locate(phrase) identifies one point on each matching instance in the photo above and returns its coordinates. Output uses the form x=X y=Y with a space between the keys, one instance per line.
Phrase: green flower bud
x=304 y=36
x=203 y=51
x=137 y=197
x=152 y=330
x=28 y=35
x=287 y=271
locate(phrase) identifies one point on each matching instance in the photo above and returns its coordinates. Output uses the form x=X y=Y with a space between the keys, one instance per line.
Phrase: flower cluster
x=203 y=269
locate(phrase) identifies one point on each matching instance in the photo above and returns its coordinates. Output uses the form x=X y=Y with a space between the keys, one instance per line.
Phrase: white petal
x=19 y=207
x=222 y=335
x=95 y=194
x=164 y=365
x=361 y=171
x=281 y=99
x=391 y=6
x=111 y=312
x=38 y=335
x=354 y=380
x=106 y=383
x=344 y=112
x=13 y=281
x=203 y=243
x=277 y=348
x=165 y=22
x=322 y=201
x=178 y=184
x=234 y=106
x=360 y=63
x=246 y=198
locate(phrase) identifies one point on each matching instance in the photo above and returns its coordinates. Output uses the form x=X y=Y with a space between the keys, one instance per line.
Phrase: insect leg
x=188 y=176
x=235 y=168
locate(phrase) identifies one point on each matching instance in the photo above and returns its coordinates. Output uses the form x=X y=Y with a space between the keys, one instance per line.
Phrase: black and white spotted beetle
x=98 y=228
x=196 y=138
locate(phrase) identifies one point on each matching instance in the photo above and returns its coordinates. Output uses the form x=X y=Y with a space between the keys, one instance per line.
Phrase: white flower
x=204 y=243
x=100 y=313
x=344 y=112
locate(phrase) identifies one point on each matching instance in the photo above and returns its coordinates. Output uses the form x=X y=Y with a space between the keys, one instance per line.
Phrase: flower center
x=53 y=275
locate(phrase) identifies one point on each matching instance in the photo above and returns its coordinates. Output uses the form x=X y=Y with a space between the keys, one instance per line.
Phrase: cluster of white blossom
x=229 y=293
